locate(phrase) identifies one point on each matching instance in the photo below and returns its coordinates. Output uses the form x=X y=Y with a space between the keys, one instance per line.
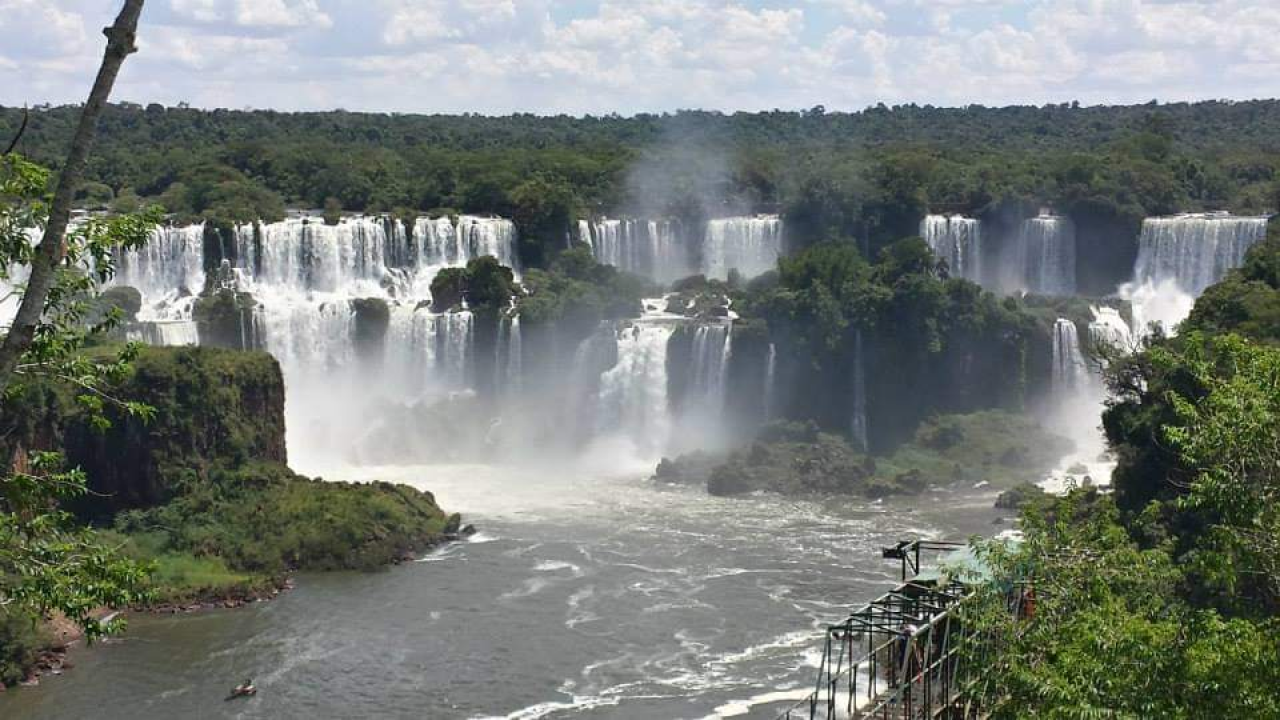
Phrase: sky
x=630 y=56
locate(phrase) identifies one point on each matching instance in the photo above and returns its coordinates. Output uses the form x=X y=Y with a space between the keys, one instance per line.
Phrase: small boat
x=244 y=689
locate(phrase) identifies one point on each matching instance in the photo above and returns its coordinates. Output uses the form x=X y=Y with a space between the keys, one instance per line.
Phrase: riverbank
x=583 y=593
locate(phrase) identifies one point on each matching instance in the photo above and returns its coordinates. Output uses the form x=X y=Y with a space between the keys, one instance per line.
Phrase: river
x=583 y=596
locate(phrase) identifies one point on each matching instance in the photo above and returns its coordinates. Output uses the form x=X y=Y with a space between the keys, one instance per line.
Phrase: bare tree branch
x=26 y=116
x=120 y=44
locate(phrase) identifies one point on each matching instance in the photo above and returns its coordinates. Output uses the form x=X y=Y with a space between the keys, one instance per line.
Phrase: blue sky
x=628 y=56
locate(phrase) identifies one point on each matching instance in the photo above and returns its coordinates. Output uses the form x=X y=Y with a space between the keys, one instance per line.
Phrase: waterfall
x=1109 y=330
x=1069 y=369
x=1180 y=256
x=632 y=401
x=650 y=248
x=858 y=422
x=1195 y=250
x=958 y=241
x=304 y=276
x=164 y=332
x=1046 y=252
x=712 y=348
x=751 y=245
x=167 y=269
x=480 y=236
x=304 y=254
x=770 y=378
x=507 y=360
x=429 y=354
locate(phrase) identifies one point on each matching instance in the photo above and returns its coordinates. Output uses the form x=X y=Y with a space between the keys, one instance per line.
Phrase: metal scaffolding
x=899 y=655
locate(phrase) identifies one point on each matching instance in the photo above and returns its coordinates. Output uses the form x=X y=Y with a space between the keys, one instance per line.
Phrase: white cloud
x=640 y=55
x=258 y=14
x=204 y=11
x=862 y=13
x=37 y=28
x=281 y=13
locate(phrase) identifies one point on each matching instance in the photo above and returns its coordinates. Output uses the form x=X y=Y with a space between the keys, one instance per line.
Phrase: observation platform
x=899 y=656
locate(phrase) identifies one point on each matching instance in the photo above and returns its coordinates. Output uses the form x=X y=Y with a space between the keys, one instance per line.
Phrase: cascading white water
x=1046 y=256
x=1109 y=330
x=304 y=276
x=632 y=403
x=770 y=379
x=1180 y=256
x=1076 y=402
x=11 y=287
x=168 y=270
x=751 y=245
x=1078 y=397
x=508 y=364
x=1069 y=370
x=164 y=332
x=958 y=241
x=858 y=420
x=302 y=255
x=428 y=354
x=712 y=348
x=650 y=248
x=1195 y=250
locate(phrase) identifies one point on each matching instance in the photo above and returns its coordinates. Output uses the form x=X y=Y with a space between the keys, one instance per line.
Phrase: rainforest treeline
x=868 y=176
x=1161 y=598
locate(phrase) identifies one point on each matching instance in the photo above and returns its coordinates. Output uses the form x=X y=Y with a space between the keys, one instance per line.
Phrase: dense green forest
x=865 y=176
x=1163 y=598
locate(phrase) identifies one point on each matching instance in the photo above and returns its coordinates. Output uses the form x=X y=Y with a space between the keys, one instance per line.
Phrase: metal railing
x=896 y=657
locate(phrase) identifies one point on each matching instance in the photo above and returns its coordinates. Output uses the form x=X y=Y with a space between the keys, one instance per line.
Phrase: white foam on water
x=737 y=708
x=556 y=565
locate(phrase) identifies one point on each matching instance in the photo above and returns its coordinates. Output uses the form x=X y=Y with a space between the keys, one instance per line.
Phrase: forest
x=1161 y=598
x=1178 y=578
x=867 y=176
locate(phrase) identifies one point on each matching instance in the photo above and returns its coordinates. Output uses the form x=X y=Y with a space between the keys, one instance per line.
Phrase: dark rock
x=467 y=531
x=1016 y=497
x=690 y=469
x=212 y=406
x=126 y=299
x=372 y=317
x=827 y=465
x=225 y=319
x=453 y=524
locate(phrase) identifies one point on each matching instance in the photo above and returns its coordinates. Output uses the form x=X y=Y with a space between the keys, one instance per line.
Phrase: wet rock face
x=1016 y=497
x=225 y=320
x=372 y=318
x=213 y=408
x=818 y=465
x=128 y=300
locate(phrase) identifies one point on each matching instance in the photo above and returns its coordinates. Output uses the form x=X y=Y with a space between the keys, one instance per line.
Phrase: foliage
x=797 y=458
x=833 y=176
x=1229 y=437
x=576 y=293
x=201 y=493
x=1163 y=599
x=47 y=562
x=927 y=343
x=1195 y=424
x=485 y=285
x=262 y=519
x=1247 y=301
x=21 y=640
x=992 y=446
x=1108 y=638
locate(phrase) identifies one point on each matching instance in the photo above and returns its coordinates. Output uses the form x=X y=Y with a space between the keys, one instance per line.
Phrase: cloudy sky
x=628 y=56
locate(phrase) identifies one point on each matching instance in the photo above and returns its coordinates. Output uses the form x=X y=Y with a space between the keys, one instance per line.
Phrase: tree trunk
x=49 y=252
